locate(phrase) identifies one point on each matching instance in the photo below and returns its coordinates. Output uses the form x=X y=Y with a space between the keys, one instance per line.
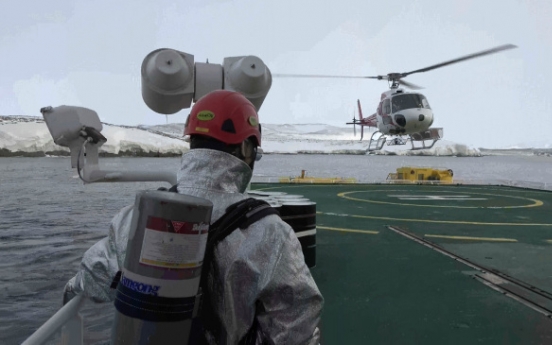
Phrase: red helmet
x=226 y=116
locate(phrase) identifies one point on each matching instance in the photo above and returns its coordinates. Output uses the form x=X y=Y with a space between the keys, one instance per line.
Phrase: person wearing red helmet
x=225 y=121
x=253 y=266
x=260 y=289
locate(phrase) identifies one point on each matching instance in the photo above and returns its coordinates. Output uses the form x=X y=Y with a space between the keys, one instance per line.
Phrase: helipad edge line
x=369 y=232
x=469 y=238
x=429 y=220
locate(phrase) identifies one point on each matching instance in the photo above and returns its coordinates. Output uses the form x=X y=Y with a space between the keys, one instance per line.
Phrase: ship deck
x=428 y=264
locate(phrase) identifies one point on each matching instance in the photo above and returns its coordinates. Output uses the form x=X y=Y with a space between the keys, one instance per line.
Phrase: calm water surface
x=48 y=218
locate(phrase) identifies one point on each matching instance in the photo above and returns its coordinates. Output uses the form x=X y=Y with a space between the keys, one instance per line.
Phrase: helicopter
x=401 y=113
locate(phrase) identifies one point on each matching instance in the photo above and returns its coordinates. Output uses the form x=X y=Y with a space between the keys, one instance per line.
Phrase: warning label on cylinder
x=173 y=244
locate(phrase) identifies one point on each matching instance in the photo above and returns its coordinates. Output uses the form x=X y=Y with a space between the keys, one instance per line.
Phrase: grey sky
x=89 y=53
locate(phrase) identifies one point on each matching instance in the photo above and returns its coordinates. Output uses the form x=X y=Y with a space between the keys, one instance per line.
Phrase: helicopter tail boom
x=359 y=110
x=370 y=121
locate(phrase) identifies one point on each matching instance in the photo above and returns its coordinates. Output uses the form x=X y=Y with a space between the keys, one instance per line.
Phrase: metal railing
x=68 y=319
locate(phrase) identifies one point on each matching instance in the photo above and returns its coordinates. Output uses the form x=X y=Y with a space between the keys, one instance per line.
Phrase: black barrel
x=291 y=198
x=301 y=216
x=272 y=201
x=288 y=196
x=275 y=204
x=252 y=193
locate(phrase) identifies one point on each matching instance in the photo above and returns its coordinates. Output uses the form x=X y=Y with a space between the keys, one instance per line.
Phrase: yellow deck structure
x=312 y=180
x=421 y=175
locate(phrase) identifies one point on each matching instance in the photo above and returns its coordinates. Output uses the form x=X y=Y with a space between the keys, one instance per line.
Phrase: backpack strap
x=239 y=215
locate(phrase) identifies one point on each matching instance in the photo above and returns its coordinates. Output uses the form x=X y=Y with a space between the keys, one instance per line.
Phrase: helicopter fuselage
x=399 y=112
x=403 y=113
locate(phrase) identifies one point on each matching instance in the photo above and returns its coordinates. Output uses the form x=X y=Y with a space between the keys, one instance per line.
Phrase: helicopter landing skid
x=432 y=135
x=398 y=141
x=380 y=141
x=424 y=146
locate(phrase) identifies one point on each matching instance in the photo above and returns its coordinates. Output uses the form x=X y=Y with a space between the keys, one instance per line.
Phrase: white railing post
x=67 y=316
x=71 y=332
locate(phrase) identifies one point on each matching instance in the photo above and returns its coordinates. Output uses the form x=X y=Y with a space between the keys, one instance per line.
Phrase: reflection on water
x=49 y=218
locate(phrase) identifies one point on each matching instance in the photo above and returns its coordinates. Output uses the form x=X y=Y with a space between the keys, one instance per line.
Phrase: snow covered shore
x=29 y=136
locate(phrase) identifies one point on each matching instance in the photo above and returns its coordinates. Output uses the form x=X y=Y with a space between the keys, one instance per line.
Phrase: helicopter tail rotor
x=354 y=123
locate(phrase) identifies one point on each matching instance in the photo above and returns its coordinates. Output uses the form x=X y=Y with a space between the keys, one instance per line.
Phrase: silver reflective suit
x=262 y=264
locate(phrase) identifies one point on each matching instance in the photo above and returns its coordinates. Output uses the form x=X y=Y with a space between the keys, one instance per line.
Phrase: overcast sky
x=88 y=53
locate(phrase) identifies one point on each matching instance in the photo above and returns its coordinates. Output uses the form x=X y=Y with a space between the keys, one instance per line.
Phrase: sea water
x=49 y=218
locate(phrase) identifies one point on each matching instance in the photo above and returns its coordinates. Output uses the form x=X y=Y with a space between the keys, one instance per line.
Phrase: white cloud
x=37 y=92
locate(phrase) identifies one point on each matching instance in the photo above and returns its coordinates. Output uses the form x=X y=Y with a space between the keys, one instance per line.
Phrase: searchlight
x=171 y=81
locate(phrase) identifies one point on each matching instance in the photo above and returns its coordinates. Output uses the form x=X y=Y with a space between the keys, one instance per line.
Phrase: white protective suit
x=261 y=264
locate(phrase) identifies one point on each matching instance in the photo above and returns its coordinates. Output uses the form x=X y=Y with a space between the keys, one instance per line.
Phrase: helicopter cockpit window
x=386 y=107
x=409 y=101
x=425 y=103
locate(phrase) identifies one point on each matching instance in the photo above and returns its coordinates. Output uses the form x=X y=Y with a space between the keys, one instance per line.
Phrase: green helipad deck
x=421 y=264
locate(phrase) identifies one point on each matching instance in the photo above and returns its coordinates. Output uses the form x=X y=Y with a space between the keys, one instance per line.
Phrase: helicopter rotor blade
x=354 y=123
x=410 y=85
x=283 y=75
x=463 y=58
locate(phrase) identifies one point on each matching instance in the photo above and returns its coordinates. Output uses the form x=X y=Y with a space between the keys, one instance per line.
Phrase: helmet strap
x=246 y=150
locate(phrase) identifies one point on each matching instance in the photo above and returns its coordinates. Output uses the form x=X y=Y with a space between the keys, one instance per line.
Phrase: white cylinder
x=249 y=76
x=168 y=80
x=209 y=77
x=157 y=296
